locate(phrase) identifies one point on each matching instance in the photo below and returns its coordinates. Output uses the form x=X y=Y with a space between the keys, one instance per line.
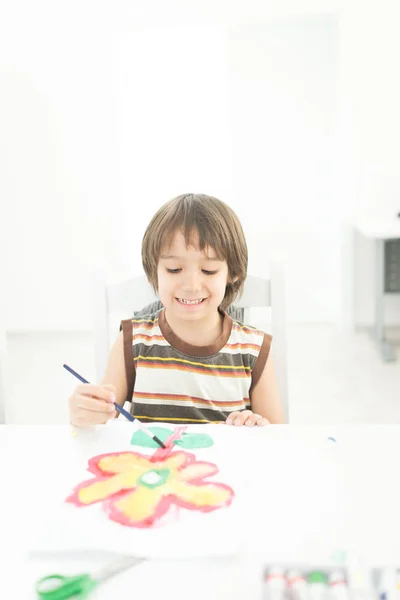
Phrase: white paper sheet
x=181 y=533
x=289 y=498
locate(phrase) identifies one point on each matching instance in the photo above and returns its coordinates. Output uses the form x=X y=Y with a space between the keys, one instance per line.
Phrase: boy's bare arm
x=115 y=371
x=265 y=399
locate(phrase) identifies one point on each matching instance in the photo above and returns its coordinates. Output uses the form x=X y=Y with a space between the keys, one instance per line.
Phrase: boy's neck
x=197 y=333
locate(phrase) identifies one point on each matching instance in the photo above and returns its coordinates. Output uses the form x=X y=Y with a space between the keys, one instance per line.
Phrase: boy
x=189 y=362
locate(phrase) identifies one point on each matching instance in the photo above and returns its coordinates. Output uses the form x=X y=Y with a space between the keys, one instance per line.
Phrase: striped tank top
x=173 y=381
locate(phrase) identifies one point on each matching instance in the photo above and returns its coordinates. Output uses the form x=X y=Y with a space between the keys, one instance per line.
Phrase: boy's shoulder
x=146 y=319
x=148 y=310
x=241 y=326
x=248 y=333
x=138 y=324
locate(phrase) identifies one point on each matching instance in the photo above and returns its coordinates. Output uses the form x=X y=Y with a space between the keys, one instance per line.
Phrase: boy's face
x=191 y=283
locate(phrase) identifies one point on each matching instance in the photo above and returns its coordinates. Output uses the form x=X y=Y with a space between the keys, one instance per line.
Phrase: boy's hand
x=246 y=417
x=91 y=404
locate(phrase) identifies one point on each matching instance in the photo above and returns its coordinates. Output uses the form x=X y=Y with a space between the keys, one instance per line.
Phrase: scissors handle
x=59 y=587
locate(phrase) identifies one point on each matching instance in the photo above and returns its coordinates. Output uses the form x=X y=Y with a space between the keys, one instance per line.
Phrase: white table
x=380 y=230
x=311 y=498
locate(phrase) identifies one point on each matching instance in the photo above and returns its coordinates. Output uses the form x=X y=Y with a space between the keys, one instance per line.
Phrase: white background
x=107 y=110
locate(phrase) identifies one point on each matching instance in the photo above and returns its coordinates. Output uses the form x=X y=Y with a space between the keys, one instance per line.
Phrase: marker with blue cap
x=121 y=410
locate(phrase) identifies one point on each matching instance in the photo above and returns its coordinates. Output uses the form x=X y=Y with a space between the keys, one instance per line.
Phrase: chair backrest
x=117 y=301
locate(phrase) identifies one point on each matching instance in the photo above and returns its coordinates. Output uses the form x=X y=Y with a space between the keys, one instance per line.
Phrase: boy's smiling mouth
x=190 y=302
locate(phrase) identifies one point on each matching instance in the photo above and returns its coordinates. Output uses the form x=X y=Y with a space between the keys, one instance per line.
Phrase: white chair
x=117 y=301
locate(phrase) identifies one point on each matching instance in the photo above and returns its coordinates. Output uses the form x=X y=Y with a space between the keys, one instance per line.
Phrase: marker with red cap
x=275 y=584
x=338 y=588
x=297 y=585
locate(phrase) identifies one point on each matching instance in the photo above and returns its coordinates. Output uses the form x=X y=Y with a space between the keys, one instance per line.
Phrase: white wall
x=107 y=111
x=237 y=116
x=59 y=162
x=175 y=131
x=283 y=105
x=369 y=138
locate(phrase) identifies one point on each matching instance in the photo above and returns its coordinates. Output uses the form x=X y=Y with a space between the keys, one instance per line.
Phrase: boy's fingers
x=112 y=414
x=97 y=391
x=110 y=387
x=231 y=417
x=94 y=405
x=246 y=417
x=255 y=419
x=242 y=418
x=88 y=417
x=238 y=417
x=252 y=420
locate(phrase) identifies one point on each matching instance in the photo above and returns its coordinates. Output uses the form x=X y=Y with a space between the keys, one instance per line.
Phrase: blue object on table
x=121 y=410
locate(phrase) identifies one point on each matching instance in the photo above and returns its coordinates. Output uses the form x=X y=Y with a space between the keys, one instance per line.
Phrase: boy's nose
x=192 y=283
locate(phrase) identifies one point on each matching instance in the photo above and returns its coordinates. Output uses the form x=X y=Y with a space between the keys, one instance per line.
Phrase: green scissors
x=60 y=587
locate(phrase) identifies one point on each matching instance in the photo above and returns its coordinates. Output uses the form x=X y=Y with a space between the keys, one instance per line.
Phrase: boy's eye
x=204 y=271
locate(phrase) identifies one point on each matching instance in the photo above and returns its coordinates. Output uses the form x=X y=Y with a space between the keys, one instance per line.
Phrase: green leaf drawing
x=188 y=441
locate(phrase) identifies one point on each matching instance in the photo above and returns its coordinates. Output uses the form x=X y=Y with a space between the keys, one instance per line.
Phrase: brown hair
x=218 y=228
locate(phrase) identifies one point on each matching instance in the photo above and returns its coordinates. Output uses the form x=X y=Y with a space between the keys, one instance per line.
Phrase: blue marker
x=388 y=584
x=121 y=410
